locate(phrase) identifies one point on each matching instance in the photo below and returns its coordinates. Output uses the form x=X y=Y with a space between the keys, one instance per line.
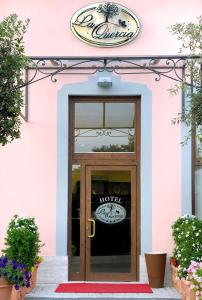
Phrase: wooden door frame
x=108 y=159
x=113 y=276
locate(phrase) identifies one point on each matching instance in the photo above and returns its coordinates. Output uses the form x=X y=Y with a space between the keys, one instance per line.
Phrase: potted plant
x=13 y=277
x=187 y=234
x=195 y=278
x=175 y=279
x=22 y=245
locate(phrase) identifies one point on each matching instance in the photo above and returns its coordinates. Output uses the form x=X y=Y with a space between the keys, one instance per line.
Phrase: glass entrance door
x=104 y=210
x=111 y=223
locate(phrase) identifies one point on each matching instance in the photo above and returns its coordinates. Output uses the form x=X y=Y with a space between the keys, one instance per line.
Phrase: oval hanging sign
x=105 y=24
x=110 y=213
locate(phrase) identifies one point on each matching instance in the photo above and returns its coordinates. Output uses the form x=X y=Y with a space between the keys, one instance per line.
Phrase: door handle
x=93 y=234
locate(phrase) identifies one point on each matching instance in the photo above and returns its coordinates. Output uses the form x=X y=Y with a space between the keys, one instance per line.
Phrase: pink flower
x=193 y=266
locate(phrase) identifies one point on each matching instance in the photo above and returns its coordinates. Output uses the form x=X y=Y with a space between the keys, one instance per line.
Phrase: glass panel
x=75 y=247
x=119 y=115
x=198 y=191
x=104 y=127
x=88 y=115
x=110 y=208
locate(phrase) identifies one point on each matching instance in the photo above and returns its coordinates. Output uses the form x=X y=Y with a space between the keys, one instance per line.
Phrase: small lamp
x=104 y=82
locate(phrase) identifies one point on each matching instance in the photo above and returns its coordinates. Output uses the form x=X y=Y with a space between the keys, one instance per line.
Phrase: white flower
x=188 y=216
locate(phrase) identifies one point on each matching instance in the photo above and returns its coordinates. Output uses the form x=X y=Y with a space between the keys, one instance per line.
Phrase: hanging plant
x=190 y=37
x=12 y=63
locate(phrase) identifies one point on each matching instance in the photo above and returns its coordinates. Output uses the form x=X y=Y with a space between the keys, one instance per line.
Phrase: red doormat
x=103 y=288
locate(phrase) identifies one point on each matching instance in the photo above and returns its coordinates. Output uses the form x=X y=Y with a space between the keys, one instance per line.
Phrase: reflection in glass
x=119 y=115
x=104 y=127
x=75 y=230
x=88 y=115
x=111 y=209
x=198 y=191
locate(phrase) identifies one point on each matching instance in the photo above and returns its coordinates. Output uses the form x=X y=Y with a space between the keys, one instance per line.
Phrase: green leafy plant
x=12 y=63
x=190 y=37
x=22 y=242
x=187 y=234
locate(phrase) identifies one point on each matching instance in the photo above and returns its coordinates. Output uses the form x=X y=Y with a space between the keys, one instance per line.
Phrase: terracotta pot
x=17 y=294
x=34 y=277
x=156 y=262
x=175 y=281
x=25 y=290
x=8 y=292
x=182 y=285
x=5 y=290
x=22 y=292
x=187 y=293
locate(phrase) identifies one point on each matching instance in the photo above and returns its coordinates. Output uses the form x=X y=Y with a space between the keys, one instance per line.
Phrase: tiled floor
x=54 y=270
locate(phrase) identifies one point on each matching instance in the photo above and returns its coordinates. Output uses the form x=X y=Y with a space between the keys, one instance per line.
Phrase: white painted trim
x=90 y=88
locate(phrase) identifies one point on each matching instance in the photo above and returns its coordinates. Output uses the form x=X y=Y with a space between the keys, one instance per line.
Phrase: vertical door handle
x=93 y=233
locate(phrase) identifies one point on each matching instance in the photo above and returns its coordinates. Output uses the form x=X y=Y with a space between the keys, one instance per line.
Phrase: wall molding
x=90 y=88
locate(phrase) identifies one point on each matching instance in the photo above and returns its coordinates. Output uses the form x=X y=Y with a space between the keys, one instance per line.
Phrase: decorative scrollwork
x=176 y=68
x=110 y=132
x=160 y=66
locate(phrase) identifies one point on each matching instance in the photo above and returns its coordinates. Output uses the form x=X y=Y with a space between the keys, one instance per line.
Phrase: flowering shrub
x=187 y=234
x=22 y=242
x=195 y=276
x=14 y=273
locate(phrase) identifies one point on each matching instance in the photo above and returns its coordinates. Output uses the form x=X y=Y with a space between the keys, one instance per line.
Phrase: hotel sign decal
x=105 y=24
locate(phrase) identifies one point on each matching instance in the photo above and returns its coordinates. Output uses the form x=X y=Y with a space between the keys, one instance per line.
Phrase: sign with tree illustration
x=105 y=24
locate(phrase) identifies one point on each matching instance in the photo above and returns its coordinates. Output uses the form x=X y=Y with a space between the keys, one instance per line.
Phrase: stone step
x=46 y=292
x=54 y=271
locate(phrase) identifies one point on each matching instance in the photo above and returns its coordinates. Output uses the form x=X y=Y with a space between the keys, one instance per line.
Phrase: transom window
x=104 y=127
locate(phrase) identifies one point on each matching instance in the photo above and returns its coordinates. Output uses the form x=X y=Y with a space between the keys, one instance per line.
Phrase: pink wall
x=49 y=32
x=166 y=167
x=28 y=165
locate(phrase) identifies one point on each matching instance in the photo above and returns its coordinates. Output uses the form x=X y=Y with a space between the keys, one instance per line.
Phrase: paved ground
x=54 y=270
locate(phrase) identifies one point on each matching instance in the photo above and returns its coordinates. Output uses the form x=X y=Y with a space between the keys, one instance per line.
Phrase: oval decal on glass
x=110 y=213
x=105 y=24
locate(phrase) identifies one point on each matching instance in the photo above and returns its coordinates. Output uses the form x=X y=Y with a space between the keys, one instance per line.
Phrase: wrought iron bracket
x=175 y=68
